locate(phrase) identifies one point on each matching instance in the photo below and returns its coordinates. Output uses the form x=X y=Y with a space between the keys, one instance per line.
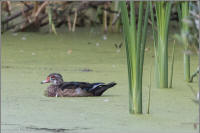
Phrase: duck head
x=53 y=78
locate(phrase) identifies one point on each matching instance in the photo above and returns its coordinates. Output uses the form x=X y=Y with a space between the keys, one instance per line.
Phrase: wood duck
x=59 y=88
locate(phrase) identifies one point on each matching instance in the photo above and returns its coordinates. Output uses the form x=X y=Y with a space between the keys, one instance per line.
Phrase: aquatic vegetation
x=51 y=23
x=135 y=40
x=172 y=66
x=189 y=34
x=160 y=34
x=97 y=56
x=183 y=12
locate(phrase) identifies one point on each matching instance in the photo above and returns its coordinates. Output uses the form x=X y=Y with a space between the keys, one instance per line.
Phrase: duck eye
x=52 y=77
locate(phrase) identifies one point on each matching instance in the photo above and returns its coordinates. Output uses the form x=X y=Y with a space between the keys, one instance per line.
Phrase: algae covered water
x=87 y=55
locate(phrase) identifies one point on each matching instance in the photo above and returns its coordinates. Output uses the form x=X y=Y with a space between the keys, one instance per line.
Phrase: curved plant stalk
x=149 y=95
x=111 y=16
x=69 y=23
x=75 y=19
x=186 y=59
x=50 y=18
x=155 y=47
x=53 y=28
x=36 y=5
x=51 y=24
x=172 y=67
x=41 y=8
x=105 y=14
x=135 y=39
x=161 y=41
x=194 y=75
x=114 y=27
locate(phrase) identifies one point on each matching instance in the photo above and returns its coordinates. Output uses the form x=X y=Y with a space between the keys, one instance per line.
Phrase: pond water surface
x=86 y=55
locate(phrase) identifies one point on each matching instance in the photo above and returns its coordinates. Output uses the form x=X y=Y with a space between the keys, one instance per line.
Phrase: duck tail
x=102 y=88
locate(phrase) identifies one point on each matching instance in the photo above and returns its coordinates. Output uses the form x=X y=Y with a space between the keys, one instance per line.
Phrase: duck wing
x=96 y=89
x=83 y=85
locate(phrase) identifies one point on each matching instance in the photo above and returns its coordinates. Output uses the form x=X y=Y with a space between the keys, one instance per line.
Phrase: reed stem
x=172 y=67
x=185 y=30
x=161 y=41
x=135 y=40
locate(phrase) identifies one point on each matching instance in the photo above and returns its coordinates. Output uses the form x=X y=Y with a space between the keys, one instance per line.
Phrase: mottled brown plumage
x=54 y=91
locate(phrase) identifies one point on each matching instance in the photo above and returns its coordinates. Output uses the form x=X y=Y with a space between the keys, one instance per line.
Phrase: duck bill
x=45 y=81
